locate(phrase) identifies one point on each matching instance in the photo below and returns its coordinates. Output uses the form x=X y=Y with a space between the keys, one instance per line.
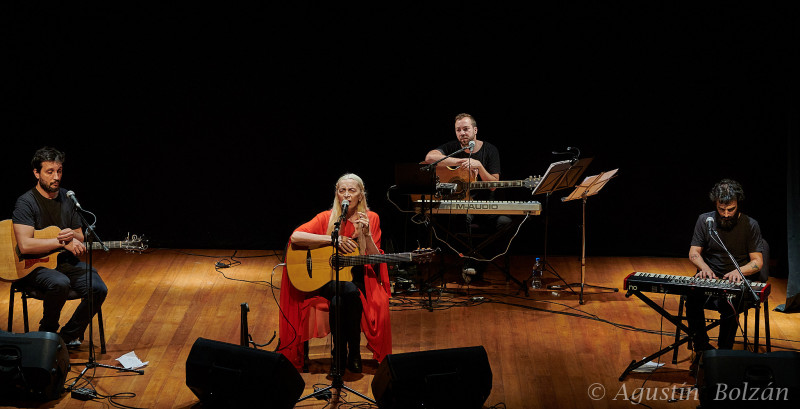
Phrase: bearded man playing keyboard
x=742 y=236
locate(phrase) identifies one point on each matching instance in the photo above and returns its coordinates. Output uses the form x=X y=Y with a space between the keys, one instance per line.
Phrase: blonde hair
x=336 y=210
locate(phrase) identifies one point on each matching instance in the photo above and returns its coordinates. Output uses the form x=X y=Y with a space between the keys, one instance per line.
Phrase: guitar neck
x=109 y=244
x=496 y=184
x=360 y=260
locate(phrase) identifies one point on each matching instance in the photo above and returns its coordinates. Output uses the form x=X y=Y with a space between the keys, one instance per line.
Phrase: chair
x=762 y=276
x=30 y=292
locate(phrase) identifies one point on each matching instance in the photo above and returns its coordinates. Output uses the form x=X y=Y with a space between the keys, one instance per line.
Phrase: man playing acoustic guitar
x=484 y=164
x=47 y=205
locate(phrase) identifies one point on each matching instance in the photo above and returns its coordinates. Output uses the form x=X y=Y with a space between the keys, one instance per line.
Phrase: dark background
x=225 y=126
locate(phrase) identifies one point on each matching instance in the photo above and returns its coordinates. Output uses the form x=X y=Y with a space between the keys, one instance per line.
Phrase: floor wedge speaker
x=439 y=379
x=32 y=365
x=228 y=375
x=744 y=379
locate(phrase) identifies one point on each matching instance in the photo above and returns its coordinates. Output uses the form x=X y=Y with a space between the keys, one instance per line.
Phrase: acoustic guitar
x=460 y=181
x=15 y=265
x=310 y=269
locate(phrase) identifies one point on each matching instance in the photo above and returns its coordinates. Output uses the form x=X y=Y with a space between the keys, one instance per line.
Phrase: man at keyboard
x=484 y=163
x=742 y=236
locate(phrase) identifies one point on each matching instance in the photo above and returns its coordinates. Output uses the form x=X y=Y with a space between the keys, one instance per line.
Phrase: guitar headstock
x=423 y=255
x=134 y=243
x=531 y=182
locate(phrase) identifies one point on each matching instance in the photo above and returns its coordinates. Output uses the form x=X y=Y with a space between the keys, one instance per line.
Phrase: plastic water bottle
x=536 y=274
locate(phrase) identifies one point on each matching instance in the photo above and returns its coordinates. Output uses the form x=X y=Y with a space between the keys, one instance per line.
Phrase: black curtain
x=792 y=216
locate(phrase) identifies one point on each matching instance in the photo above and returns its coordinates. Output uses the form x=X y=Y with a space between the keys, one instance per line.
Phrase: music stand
x=589 y=187
x=560 y=175
x=419 y=180
x=414 y=179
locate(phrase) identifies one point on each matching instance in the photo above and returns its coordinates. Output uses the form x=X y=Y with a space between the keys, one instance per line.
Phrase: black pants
x=487 y=224
x=728 y=315
x=55 y=285
x=350 y=309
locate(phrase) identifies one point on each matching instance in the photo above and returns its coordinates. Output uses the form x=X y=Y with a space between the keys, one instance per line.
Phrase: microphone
x=710 y=223
x=568 y=152
x=471 y=147
x=71 y=195
x=345 y=203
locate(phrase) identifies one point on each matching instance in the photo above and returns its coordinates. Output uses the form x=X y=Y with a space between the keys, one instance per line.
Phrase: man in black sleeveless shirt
x=47 y=205
x=742 y=236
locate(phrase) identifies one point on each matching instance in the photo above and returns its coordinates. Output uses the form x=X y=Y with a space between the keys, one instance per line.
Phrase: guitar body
x=310 y=269
x=13 y=264
x=460 y=177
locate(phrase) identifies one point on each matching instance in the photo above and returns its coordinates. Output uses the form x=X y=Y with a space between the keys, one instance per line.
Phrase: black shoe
x=354 y=363
x=71 y=343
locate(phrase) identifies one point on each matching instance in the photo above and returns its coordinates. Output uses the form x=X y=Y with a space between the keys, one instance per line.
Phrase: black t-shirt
x=32 y=209
x=741 y=240
x=488 y=155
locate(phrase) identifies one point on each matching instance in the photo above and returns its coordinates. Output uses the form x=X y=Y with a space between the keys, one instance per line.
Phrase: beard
x=727 y=224
x=47 y=188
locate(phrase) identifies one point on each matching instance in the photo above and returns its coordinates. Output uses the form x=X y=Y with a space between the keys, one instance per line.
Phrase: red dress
x=305 y=315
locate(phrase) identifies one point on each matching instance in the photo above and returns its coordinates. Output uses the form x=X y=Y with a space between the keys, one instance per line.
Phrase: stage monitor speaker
x=32 y=365
x=744 y=379
x=439 y=379
x=228 y=375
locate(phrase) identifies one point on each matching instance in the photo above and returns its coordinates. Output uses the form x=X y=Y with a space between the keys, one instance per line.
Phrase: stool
x=475 y=242
x=29 y=292
x=764 y=307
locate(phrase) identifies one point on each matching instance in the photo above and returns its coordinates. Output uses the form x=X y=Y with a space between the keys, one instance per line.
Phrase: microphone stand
x=433 y=164
x=92 y=363
x=337 y=382
x=427 y=286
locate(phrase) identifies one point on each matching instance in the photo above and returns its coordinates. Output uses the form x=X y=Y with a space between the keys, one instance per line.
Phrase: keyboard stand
x=675 y=320
x=474 y=250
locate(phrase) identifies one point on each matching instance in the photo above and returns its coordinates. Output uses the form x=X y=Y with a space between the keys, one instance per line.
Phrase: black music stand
x=420 y=179
x=589 y=187
x=414 y=179
x=560 y=175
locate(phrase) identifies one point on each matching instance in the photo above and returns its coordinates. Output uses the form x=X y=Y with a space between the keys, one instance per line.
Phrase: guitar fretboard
x=498 y=183
x=360 y=260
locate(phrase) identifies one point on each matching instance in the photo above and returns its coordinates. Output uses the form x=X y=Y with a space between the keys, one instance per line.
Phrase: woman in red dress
x=364 y=300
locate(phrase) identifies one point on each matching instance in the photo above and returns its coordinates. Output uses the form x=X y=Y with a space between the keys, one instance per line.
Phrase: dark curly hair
x=726 y=191
x=46 y=154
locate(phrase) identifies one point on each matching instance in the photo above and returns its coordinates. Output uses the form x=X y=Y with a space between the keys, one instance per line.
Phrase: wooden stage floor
x=545 y=350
